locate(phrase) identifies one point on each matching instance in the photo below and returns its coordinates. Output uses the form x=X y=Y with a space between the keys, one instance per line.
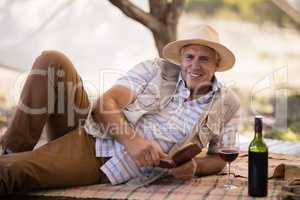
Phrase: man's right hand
x=144 y=152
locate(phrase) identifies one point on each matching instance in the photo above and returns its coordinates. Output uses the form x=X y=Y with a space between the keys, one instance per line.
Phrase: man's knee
x=53 y=58
x=53 y=55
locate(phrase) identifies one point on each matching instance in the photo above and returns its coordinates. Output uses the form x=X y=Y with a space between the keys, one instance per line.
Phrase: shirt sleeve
x=233 y=125
x=139 y=76
x=136 y=80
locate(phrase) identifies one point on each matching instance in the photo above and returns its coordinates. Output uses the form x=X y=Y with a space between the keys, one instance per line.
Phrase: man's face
x=198 y=66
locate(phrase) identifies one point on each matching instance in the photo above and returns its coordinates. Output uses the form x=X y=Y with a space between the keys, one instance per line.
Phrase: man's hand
x=144 y=152
x=185 y=171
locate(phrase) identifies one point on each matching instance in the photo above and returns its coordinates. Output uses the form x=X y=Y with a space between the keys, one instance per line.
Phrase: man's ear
x=217 y=63
x=218 y=58
x=217 y=66
x=181 y=55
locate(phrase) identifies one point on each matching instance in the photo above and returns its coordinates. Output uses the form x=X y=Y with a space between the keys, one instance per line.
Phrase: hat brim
x=171 y=52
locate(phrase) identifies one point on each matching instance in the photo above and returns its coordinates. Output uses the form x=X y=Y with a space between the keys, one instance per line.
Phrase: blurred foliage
x=292 y=133
x=288 y=135
x=265 y=106
x=293 y=117
x=257 y=11
x=3 y=120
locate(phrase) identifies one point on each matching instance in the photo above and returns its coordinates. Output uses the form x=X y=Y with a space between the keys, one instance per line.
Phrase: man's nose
x=196 y=65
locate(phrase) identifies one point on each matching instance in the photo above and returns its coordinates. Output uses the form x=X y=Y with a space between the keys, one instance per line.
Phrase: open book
x=184 y=155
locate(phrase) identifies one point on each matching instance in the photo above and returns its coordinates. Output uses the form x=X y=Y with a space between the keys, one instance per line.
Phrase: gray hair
x=217 y=55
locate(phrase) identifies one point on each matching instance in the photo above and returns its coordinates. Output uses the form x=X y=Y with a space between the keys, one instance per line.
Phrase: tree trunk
x=168 y=14
x=163 y=38
x=162 y=20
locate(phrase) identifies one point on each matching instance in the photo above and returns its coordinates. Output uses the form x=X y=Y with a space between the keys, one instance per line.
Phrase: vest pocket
x=147 y=101
x=143 y=104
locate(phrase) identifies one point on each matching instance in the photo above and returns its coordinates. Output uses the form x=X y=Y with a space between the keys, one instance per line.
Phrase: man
x=141 y=120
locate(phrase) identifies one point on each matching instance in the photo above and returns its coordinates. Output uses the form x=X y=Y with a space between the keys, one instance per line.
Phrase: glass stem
x=228 y=180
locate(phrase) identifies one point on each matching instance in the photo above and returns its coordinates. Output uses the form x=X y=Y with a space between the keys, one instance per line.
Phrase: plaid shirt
x=175 y=121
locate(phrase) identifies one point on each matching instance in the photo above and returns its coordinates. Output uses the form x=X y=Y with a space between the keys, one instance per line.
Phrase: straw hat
x=206 y=36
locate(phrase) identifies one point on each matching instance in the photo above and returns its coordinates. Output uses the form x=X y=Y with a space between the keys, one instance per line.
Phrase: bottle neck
x=258 y=128
x=258 y=135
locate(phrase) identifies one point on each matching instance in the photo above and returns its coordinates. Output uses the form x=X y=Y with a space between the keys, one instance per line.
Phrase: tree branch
x=288 y=9
x=12 y=68
x=136 y=13
x=44 y=24
x=50 y=18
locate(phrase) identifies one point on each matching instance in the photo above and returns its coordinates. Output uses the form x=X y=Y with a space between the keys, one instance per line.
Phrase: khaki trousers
x=53 y=98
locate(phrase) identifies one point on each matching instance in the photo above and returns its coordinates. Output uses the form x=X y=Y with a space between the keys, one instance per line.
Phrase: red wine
x=228 y=155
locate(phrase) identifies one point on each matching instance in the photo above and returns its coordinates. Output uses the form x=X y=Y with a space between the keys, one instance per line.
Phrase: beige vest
x=158 y=92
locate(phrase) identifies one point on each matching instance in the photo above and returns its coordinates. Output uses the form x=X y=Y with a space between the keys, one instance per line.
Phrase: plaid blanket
x=199 y=188
x=210 y=187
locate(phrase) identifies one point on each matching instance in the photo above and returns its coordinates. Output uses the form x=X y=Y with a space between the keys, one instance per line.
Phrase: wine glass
x=228 y=150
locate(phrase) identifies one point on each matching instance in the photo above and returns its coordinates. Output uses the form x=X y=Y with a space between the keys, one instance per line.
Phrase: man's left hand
x=185 y=171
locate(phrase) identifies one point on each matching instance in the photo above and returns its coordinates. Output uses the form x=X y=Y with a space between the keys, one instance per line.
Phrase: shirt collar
x=183 y=92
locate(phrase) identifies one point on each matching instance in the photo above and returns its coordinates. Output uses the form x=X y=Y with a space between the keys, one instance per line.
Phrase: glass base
x=230 y=187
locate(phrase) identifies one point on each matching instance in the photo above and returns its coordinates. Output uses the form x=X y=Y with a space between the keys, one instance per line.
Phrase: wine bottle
x=258 y=162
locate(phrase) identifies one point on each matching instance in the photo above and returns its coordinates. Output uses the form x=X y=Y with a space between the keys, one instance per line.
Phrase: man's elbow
x=105 y=103
x=218 y=163
x=210 y=165
x=221 y=166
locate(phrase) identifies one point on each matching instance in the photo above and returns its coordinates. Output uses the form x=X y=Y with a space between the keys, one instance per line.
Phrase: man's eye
x=189 y=57
x=204 y=58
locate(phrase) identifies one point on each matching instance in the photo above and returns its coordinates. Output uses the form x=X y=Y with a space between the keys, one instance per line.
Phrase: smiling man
x=149 y=114
x=198 y=67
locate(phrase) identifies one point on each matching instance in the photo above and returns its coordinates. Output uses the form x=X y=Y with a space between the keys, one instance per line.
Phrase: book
x=185 y=154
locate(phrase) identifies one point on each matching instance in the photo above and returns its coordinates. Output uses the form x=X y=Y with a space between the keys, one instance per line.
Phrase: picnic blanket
x=210 y=187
